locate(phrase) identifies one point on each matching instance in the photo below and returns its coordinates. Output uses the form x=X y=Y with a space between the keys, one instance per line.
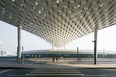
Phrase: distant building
x=1 y=52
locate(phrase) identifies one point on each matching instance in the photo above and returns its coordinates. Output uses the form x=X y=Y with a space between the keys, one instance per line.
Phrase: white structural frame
x=59 y=21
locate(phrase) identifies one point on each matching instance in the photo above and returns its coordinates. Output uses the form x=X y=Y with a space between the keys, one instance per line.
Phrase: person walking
x=53 y=59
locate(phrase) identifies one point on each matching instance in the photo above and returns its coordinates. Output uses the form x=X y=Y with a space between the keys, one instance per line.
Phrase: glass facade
x=68 y=55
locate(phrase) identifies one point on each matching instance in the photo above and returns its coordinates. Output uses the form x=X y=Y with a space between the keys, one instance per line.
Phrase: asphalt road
x=58 y=72
x=47 y=68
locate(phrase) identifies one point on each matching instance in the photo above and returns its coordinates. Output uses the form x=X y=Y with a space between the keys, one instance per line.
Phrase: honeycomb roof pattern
x=59 y=21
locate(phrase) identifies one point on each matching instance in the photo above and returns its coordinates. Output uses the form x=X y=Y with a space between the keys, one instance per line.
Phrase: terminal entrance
x=70 y=56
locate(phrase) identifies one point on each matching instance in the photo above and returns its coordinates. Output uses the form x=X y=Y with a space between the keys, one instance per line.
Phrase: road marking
x=17 y=75
x=59 y=74
x=5 y=71
x=95 y=75
x=55 y=74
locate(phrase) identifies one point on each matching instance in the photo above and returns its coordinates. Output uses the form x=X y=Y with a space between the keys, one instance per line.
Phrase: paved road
x=58 y=72
x=47 y=68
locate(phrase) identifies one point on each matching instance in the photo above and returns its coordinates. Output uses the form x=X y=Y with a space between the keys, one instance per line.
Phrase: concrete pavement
x=38 y=67
x=47 y=62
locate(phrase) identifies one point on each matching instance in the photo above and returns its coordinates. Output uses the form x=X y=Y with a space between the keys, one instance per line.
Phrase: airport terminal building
x=67 y=53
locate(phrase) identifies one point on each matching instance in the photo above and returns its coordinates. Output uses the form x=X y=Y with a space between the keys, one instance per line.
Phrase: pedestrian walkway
x=47 y=62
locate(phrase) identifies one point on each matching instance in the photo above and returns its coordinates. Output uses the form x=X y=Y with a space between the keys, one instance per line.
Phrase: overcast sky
x=8 y=37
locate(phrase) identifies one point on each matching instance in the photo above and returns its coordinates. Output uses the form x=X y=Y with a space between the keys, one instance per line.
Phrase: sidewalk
x=47 y=63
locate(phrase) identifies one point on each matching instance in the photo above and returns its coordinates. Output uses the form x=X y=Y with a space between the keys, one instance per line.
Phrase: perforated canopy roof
x=59 y=21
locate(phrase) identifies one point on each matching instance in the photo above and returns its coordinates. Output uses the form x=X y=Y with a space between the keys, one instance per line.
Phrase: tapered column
x=19 y=43
x=95 y=44
x=52 y=45
x=77 y=53
x=64 y=45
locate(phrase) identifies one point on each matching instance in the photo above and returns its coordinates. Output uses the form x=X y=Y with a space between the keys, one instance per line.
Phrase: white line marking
x=16 y=75
x=55 y=74
x=5 y=71
x=58 y=74
x=95 y=75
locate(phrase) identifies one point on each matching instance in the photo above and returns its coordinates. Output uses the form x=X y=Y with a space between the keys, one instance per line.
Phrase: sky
x=8 y=37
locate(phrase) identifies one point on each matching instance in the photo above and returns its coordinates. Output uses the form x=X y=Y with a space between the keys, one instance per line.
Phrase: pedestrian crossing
x=56 y=71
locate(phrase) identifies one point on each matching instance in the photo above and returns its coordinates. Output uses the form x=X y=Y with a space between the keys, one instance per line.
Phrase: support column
x=19 y=43
x=64 y=45
x=52 y=45
x=95 y=44
x=77 y=53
